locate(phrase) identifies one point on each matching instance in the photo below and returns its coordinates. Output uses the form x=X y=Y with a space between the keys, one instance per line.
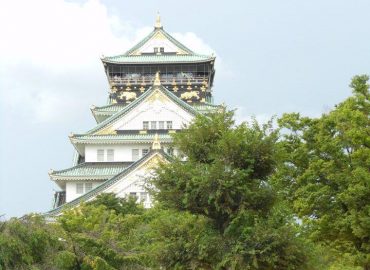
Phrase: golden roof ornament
x=156 y=143
x=158 y=21
x=157 y=79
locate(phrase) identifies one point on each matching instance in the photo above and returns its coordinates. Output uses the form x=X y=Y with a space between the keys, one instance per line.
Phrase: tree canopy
x=325 y=172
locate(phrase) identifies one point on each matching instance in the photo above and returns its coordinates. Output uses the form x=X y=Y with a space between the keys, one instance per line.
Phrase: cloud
x=50 y=68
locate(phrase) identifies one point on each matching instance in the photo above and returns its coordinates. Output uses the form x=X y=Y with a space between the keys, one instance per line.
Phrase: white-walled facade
x=75 y=189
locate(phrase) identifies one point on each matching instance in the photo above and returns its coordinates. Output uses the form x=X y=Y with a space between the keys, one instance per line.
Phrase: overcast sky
x=272 y=57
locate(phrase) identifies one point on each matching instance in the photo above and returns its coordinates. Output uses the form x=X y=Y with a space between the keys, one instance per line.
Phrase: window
x=170 y=151
x=88 y=187
x=155 y=49
x=133 y=194
x=143 y=196
x=161 y=125
x=79 y=188
x=144 y=152
x=169 y=124
x=110 y=154
x=161 y=49
x=100 y=154
x=153 y=125
x=145 y=125
x=135 y=154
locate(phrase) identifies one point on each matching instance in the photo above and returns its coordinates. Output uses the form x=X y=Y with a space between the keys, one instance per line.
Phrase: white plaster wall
x=122 y=152
x=133 y=182
x=157 y=43
x=71 y=189
x=162 y=109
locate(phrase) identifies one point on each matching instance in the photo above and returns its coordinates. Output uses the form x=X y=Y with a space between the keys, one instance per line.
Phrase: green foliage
x=226 y=170
x=326 y=173
x=26 y=242
x=225 y=178
x=243 y=198
x=122 y=206
x=66 y=260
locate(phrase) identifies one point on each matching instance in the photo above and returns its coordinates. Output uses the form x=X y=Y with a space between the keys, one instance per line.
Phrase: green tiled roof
x=99 y=189
x=189 y=57
x=108 y=109
x=206 y=107
x=103 y=112
x=90 y=171
x=137 y=101
x=118 y=138
x=167 y=35
x=163 y=58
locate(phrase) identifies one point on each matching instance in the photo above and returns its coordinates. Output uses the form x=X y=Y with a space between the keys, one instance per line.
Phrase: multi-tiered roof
x=138 y=82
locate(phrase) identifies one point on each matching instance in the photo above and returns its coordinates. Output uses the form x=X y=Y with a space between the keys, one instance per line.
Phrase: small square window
x=133 y=194
x=110 y=155
x=79 y=188
x=100 y=155
x=153 y=125
x=88 y=187
x=169 y=124
x=161 y=49
x=161 y=124
x=156 y=49
x=145 y=125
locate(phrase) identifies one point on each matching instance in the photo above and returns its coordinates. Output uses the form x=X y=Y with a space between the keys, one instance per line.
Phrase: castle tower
x=155 y=87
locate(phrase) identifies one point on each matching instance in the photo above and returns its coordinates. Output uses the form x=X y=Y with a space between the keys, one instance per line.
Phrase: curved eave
x=109 y=60
x=79 y=178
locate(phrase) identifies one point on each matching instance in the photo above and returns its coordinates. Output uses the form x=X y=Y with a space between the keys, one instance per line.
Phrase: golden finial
x=157 y=79
x=156 y=143
x=158 y=21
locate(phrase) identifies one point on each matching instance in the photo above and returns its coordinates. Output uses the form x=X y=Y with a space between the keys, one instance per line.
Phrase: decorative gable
x=157 y=107
x=159 y=43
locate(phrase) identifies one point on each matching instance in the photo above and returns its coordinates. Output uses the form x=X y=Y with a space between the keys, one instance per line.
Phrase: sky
x=272 y=57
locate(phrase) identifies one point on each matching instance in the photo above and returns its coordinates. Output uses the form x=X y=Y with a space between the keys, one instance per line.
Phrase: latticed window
x=161 y=124
x=100 y=155
x=88 y=187
x=153 y=125
x=135 y=154
x=79 y=188
x=169 y=124
x=145 y=125
x=110 y=154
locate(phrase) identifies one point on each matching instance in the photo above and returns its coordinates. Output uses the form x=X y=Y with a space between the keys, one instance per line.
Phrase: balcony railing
x=166 y=80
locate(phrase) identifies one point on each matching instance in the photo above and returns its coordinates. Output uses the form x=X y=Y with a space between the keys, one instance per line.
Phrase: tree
x=326 y=175
x=28 y=243
x=225 y=177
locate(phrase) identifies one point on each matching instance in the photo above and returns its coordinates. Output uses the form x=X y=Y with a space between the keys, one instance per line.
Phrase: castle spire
x=157 y=79
x=158 y=21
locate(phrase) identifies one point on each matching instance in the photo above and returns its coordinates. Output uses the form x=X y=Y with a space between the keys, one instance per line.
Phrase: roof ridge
x=151 y=34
